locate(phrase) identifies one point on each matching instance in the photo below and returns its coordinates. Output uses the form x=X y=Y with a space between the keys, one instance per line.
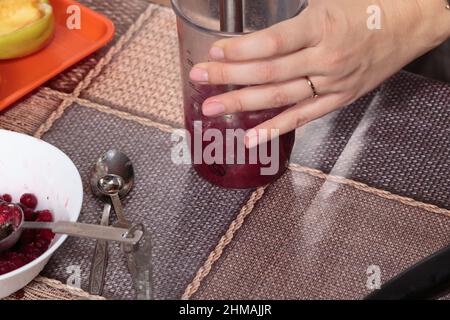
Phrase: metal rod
x=231 y=16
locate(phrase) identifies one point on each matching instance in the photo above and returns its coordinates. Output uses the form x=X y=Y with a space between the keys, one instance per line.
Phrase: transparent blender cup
x=228 y=163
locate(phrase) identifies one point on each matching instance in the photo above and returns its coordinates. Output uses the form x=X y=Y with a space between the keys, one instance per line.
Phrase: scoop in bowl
x=69 y=228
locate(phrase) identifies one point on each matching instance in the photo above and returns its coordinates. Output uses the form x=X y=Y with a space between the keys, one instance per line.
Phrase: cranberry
x=31 y=251
x=29 y=200
x=16 y=215
x=7 y=198
x=33 y=243
x=8 y=255
x=4 y=216
x=29 y=214
x=4 y=211
x=45 y=234
x=5 y=267
x=18 y=261
x=44 y=216
x=10 y=214
x=28 y=236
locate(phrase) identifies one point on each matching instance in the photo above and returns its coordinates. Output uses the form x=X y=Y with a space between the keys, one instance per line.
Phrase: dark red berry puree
x=235 y=176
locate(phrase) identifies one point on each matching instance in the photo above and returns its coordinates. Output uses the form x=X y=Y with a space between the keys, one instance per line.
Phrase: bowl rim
x=55 y=245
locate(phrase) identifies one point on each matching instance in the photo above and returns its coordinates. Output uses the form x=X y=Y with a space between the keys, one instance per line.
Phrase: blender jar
x=228 y=163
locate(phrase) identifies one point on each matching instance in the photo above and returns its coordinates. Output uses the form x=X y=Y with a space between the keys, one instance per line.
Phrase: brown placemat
x=314 y=237
x=27 y=115
x=48 y=289
x=144 y=78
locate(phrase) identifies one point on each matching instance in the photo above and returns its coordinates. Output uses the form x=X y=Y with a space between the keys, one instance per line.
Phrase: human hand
x=329 y=43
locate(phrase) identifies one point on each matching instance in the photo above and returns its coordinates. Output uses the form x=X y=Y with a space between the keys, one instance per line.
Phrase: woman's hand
x=330 y=43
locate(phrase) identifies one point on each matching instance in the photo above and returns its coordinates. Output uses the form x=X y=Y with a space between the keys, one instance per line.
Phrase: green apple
x=26 y=26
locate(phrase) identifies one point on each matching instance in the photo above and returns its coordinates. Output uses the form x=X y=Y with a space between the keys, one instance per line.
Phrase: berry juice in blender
x=217 y=144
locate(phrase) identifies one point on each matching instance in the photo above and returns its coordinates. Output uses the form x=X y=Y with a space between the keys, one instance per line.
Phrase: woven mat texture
x=310 y=238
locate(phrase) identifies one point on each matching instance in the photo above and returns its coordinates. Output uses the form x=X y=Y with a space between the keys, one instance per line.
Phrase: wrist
x=435 y=16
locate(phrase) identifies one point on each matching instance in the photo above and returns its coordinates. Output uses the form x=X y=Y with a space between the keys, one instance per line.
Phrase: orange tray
x=23 y=75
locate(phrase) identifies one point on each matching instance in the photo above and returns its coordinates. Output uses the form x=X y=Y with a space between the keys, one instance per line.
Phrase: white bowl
x=29 y=165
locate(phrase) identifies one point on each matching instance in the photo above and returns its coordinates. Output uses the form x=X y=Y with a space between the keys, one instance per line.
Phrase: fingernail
x=217 y=53
x=213 y=109
x=199 y=75
x=251 y=139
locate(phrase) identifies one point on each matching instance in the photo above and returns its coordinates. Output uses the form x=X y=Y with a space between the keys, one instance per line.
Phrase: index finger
x=283 y=38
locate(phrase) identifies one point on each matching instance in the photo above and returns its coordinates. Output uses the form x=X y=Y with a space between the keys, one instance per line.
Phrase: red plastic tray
x=23 y=75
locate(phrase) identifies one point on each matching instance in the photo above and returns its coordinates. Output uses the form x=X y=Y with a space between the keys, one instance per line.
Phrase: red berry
x=44 y=216
x=8 y=255
x=29 y=200
x=4 y=210
x=16 y=215
x=28 y=236
x=29 y=214
x=6 y=197
x=4 y=216
x=10 y=214
x=18 y=261
x=33 y=243
x=31 y=251
x=45 y=234
x=5 y=267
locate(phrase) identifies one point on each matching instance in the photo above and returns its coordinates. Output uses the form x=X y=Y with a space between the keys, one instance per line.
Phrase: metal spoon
x=112 y=185
x=112 y=163
x=113 y=177
x=139 y=256
x=69 y=228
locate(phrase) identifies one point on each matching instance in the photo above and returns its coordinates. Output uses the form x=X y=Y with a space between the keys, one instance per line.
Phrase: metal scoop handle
x=88 y=231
